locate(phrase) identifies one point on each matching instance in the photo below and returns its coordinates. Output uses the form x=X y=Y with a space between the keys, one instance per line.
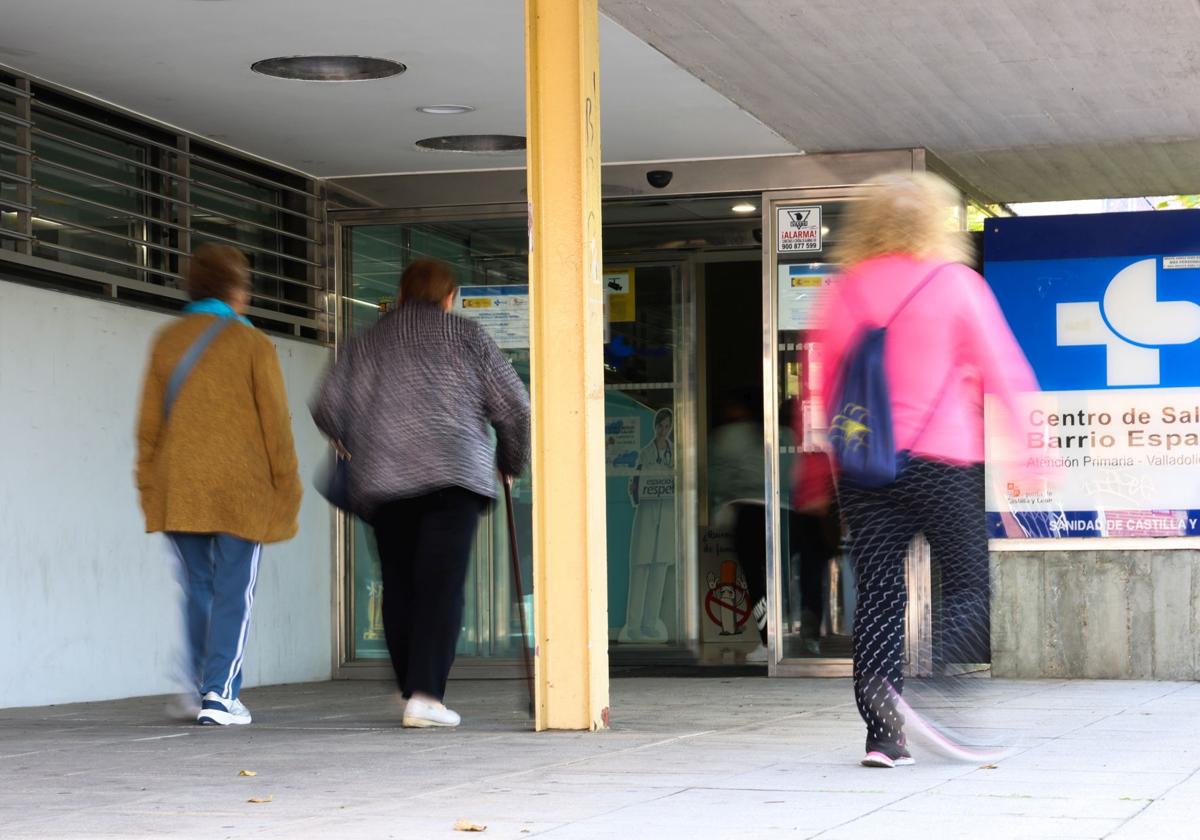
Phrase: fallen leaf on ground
x=467 y=825
x=247 y=773
x=988 y=767
x=261 y=800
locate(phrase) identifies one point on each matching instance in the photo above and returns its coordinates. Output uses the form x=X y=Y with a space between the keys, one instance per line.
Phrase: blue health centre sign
x=1107 y=310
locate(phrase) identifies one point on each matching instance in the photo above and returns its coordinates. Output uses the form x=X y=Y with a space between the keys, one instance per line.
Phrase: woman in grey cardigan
x=412 y=400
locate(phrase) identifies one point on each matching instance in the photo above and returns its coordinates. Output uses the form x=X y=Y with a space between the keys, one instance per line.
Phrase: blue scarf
x=215 y=306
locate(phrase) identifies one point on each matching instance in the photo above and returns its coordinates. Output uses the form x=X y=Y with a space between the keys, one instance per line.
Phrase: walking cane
x=516 y=570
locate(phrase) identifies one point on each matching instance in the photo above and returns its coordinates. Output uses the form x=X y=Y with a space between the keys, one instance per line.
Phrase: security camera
x=659 y=178
x=757 y=233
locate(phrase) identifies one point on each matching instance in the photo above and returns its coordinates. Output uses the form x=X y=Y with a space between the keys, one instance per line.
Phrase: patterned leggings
x=945 y=503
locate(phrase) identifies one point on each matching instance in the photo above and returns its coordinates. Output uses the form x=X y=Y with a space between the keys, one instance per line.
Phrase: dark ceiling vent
x=478 y=143
x=328 y=68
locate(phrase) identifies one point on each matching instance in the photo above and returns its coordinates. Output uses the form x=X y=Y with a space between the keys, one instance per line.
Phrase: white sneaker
x=758 y=656
x=221 y=711
x=421 y=715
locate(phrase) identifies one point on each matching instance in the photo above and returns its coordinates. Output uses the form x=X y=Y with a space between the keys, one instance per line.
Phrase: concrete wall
x=1096 y=614
x=88 y=602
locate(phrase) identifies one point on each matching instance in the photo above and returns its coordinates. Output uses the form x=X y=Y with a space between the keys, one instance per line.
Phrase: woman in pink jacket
x=948 y=345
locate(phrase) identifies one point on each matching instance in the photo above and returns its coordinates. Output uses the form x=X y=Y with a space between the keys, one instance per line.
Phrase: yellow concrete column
x=562 y=73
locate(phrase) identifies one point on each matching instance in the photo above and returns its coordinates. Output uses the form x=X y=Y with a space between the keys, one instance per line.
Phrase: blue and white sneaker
x=220 y=711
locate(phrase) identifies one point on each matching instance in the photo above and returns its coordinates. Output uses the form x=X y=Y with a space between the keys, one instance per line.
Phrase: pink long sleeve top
x=952 y=335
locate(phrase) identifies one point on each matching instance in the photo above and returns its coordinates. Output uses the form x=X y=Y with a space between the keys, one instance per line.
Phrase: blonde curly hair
x=903 y=213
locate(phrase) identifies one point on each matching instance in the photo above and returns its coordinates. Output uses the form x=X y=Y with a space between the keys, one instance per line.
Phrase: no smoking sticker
x=798 y=230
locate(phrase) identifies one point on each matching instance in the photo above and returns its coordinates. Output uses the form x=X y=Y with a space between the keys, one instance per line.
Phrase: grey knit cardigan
x=413 y=399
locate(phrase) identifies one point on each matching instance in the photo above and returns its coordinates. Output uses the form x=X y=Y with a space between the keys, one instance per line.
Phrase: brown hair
x=216 y=271
x=426 y=281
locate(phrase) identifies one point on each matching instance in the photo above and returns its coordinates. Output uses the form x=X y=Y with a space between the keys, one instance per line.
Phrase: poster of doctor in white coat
x=652 y=540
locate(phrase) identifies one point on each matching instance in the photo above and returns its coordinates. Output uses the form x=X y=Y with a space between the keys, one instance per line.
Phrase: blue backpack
x=860 y=432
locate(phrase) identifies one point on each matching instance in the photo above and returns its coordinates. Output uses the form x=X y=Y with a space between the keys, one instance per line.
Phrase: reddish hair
x=426 y=281
x=216 y=271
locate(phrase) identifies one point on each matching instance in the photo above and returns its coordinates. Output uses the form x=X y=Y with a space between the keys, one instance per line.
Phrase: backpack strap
x=937 y=403
x=895 y=313
x=917 y=289
x=859 y=303
x=188 y=361
x=949 y=380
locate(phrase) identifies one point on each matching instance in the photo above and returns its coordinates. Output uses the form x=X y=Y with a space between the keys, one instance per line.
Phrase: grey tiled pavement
x=686 y=758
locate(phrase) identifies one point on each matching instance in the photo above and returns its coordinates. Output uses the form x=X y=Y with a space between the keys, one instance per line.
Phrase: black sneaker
x=888 y=755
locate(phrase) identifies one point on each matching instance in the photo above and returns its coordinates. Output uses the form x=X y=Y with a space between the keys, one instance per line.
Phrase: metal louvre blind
x=115 y=204
x=15 y=157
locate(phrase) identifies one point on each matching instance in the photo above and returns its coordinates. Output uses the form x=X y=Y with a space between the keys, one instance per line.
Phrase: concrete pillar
x=562 y=71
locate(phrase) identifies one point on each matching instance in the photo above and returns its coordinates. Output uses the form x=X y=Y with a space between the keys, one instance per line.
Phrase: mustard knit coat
x=224 y=462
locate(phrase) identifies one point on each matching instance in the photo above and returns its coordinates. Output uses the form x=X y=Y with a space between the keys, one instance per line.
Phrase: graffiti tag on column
x=592 y=163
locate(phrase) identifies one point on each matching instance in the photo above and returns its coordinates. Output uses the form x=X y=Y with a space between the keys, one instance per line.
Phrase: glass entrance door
x=649 y=441
x=489 y=263
x=811 y=585
x=815 y=581
x=811 y=592
x=649 y=453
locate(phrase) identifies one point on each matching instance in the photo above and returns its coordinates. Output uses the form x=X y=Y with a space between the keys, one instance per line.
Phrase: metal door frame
x=704 y=177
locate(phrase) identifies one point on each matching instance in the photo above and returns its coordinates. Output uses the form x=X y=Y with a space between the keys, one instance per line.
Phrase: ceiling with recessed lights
x=1027 y=99
x=187 y=63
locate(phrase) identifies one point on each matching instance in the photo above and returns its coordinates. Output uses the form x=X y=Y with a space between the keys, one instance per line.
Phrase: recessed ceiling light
x=445 y=110
x=744 y=207
x=474 y=143
x=328 y=68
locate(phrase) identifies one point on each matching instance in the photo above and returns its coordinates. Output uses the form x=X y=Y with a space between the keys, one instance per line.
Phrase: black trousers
x=750 y=545
x=945 y=503
x=424 y=552
x=806 y=535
